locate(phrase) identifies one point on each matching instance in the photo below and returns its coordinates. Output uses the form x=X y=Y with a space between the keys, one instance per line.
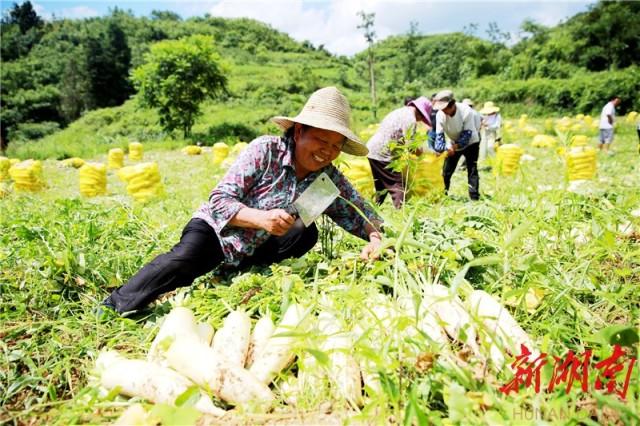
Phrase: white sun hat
x=327 y=109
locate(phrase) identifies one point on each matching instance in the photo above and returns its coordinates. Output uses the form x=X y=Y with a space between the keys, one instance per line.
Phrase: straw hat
x=489 y=108
x=468 y=101
x=327 y=109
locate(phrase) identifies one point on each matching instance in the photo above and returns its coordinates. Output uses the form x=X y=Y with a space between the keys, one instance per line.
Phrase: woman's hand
x=276 y=221
x=372 y=250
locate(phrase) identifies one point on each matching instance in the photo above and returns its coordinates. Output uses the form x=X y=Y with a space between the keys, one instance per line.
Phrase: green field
x=565 y=264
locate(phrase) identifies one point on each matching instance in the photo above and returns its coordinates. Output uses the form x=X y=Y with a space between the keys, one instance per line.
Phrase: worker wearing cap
x=456 y=133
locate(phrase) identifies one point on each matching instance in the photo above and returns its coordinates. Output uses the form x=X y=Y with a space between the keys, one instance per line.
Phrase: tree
x=108 y=58
x=369 y=35
x=177 y=77
x=496 y=35
x=410 y=52
x=74 y=89
x=24 y=16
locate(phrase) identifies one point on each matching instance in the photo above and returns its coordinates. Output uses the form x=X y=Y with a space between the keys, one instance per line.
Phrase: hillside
x=66 y=83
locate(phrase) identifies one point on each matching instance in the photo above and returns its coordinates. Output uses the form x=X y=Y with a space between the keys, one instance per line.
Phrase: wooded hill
x=75 y=74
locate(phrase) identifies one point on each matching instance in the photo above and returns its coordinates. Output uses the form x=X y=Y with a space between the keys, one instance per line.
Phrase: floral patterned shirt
x=263 y=177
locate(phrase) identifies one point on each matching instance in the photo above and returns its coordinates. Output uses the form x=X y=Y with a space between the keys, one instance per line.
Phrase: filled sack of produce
x=27 y=176
x=93 y=179
x=115 y=158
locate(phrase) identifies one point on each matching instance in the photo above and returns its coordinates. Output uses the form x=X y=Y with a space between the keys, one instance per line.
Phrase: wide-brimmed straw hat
x=327 y=109
x=489 y=108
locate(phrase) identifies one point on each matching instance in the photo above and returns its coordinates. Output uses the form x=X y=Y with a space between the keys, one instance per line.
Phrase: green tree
x=177 y=77
x=410 y=51
x=108 y=58
x=370 y=36
x=24 y=16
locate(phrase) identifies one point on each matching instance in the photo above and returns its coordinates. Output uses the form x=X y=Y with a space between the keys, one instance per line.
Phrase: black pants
x=386 y=181
x=197 y=253
x=471 y=156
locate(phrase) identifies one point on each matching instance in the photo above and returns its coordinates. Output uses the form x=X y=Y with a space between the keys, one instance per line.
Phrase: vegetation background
x=67 y=85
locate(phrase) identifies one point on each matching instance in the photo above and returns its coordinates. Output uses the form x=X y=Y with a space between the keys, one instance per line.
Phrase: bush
x=35 y=130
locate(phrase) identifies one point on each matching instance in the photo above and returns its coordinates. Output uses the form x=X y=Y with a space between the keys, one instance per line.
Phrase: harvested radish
x=179 y=322
x=205 y=332
x=134 y=415
x=278 y=352
x=344 y=371
x=147 y=380
x=450 y=311
x=497 y=319
x=228 y=381
x=261 y=333
x=232 y=340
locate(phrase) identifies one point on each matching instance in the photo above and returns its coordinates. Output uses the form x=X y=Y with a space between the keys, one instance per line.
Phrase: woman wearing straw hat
x=399 y=126
x=491 y=126
x=246 y=220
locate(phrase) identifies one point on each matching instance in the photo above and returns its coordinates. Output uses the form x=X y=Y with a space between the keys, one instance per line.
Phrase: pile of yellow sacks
x=220 y=152
x=75 y=162
x=136 y=151
x=358 y=172
x=27 y=175
x=543 y=141
x=368 y=132
x=631 y=117
x=5 y=164
x=192 y=150
x=93 y=179
x=581 y=163
x=115 y=158
x=425 y=174
x=143 y=181
x=508 y=160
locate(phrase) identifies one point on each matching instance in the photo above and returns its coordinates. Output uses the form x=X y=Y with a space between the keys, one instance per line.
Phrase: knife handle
x=292 y=210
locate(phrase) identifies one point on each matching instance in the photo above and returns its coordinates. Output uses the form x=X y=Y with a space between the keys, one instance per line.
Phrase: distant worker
x=491 y=133
x=399 y=127
x=607 y=119
x=456 y=133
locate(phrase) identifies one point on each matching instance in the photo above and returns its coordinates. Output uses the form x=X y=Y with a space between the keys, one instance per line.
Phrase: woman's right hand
x=277 y=221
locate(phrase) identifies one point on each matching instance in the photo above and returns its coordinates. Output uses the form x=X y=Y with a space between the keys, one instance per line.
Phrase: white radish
x=426 y=322
x=179 y=322
x=147 y=380
x=262 y=331
x=205 y=332
x=497 y=319
x=228 y=381
x=344 y=371
x=134 y=415
x=278 y=352
x=232 y=340
x=450 y=311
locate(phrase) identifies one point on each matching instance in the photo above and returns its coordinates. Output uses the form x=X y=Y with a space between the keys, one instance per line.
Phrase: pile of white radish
x=237 y=367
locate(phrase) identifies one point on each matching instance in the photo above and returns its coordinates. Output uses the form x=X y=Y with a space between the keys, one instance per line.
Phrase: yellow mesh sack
x=192 y=150
x=220 y=152
x=5 y=164
x=93 y=179
x=579 y=140
x=543 y=141
x=14 y=161
x=238 y=148
x=425 y=174
x=115 y=158
x=631 y=117
x=508 y=160
x=27 y=176
x=358 y=172
x=143 y=181
x=74 y=162
x=136 y=151
x=581 y=163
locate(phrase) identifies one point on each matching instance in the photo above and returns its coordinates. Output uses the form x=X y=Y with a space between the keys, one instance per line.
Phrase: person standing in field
x=246 y=220
x=399 y=127
x=491 y=128
x=607 y=119
x=456 y=133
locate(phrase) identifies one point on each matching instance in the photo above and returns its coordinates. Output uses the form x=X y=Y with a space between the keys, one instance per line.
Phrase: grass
x=61 y=254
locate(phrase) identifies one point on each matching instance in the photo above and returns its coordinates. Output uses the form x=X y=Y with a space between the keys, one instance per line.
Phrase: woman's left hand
x=372 y=250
